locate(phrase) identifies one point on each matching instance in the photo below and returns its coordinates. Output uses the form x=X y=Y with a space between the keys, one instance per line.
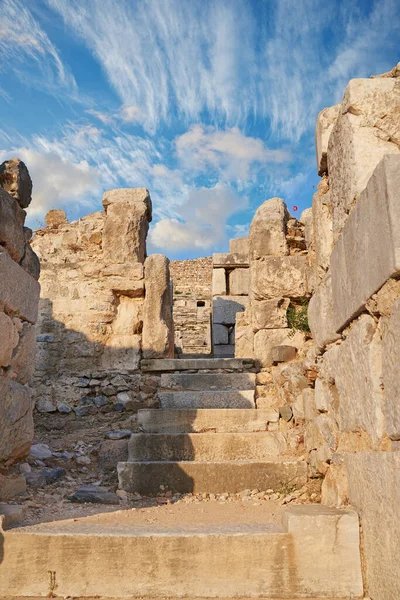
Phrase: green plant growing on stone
x=297 y=318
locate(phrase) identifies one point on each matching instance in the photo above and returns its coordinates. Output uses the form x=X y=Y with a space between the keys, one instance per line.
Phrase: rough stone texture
x=239 y=246
x=322 y=239
x=361 y=264
x=128 y=213
x=224 y=351
x=267 y=234
x=358 y=375
x=158 y=332
x=12 y=217
x=244 y=336
x=269 y=314
x=277 y=277
x=19 y=292
x=186 y=364
x=208 y=381
x=334 y=491
x=16 y=423
x=219 y=420
x=209 y=399
x=266 y=339
x=220 y=334
x=367 y=128
x=225 y=308
x=9 y=339
x=229 y=261
x=15 y=179
x=374 y=489
x=239 y=281
x=323 y=129
x=55 y=217
x=281 y=354
x=218 y=282
x=391 y=371
x=320 y=314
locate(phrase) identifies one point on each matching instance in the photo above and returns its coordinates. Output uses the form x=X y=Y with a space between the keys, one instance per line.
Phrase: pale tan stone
x=54 y=218
x=274 y=277
x=122 y=352
x=268 y=230
x=381 y=303
x=229 y=261
x=239 y=282
x=322 y=227
x=320 y=314
x=244 y=337
x=15 y=179
x=219 y=282
x=225 y=308
x=158 y=330
x=374 y=490
x=358 y=377
x=19 y=292
x=266 y=339
x=129 y=319
x=8 y=339
x=239 y=246
x=310 y=411
x=367 y=129
x=391 y=371
x=16 y=422
x=269 y=314
x=306 y=218
x=334 y=491
x=23 y=360
x=30 y=262
x=362 y=262
x=125 y=231
x=128 y=196
x=323 y=129
x=12 y=236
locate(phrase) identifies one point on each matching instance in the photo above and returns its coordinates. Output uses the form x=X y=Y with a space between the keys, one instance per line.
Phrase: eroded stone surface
x=391 y=371
x=268 y=230
x=15 y=179
x=277 y=277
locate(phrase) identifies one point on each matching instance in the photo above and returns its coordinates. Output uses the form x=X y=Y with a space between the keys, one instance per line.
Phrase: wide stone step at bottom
x=164 y=365
x=207 y=399
x=212 y=477
x=313 y=554
x=205 y=446
x=218 y=420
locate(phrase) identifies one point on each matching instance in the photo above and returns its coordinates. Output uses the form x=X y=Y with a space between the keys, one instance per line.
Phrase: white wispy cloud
x=27 y=51
x=203 y=222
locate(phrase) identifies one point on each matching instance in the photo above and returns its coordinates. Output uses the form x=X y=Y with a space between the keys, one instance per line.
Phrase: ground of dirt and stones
x=70 y=453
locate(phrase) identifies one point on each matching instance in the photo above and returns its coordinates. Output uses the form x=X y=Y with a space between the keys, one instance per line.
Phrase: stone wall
x=19 y=298
x=191 y=280
x=353 y=412
x=103 y=306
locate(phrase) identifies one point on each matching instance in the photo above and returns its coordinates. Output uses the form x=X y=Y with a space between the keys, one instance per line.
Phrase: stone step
x=205 y=446
x=217 y=477
x=209 y=399
x=313 y=553
x=181 y=382
x=217 y=420
x=194 y=364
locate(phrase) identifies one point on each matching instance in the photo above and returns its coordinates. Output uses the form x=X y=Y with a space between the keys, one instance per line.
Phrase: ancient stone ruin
x=278 y=388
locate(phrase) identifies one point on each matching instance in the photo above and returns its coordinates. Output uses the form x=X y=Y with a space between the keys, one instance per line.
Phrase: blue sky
x=210 y=104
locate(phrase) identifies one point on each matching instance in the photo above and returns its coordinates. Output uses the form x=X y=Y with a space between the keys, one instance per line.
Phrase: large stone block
x=220 y=334
x=239 y=246
x=274 y=277
x=128 y=212
x=269 y=314
x=19 y=292
x=239 y=282
x=358 y=377
x=323 y=129
x=158 y=328
x=16 y=421
x=334 y=491
x=367 y=128
x=368 y=251
x=322 y=227
x=15 y=179
x=391 y=371
x=374 y=489
x=244 y=337
x=320 y=314
x=8 y=339
x=226 y=307
x=219 y=282
x=122 y=352
x=12 y=235
x=266 y=339
x=267 y=235
x=23 y=360
x=229 y=260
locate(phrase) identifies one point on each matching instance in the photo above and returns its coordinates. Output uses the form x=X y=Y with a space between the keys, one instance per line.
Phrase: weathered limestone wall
x=191 y=280
x=103 y=306
x=19 y=298
x=353 y=412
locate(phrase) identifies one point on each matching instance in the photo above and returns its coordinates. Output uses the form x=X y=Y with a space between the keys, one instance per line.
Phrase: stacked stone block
x=352 y=415
x=230 y=290
x=103 y=306
x=19 y=298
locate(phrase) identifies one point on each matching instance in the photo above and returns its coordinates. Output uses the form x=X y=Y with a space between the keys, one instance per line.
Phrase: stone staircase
x=208 y=436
